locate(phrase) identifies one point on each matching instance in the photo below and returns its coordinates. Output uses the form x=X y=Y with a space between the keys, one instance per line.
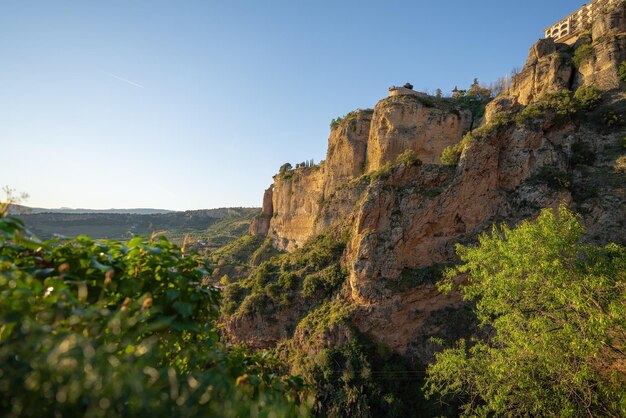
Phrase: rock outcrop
x=410 y=122
x=347 y=150
x=363 y=142
x=550 y=67
x=261 y=224
x=608 y=36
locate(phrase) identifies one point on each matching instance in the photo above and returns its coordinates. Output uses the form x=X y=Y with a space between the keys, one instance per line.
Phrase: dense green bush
x=582 y=154
x=232 y=296
x=582 y=53
x=109 y=329
x=587 y=97
x=451 y=155
x=622 y=71
x=313 y=271
x=408 y=158
x=553 y=177
x=529 y=115
x=561 y=102
x=323 y=283
x=554 y=313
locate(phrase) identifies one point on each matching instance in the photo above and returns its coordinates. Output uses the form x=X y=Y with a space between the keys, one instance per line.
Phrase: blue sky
x=195 y=104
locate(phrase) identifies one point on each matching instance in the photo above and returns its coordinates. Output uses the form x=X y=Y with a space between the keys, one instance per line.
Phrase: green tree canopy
x=553 y=312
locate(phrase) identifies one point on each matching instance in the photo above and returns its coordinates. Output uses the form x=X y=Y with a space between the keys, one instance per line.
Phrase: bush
x=554 y=314
x=288 y=281
x=232 y=295
x=622 y=71
x=582 y=53
x=552 y=177
x=109 y=329
x=529 y=115
x=255 y=303
x=587 y=97
x=312 y=285
x=561 y=102
x=382 y=173
x=408 y=158
x=451 y=155
x=582 y=154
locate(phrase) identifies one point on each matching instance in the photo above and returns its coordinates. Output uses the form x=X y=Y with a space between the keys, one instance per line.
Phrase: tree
x=553 y=311
x=284 y=168
x=475 y=90
x=438 y=93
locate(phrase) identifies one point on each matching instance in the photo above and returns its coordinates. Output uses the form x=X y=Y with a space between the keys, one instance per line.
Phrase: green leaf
x=134 y=242
x=172 y=294
x=96 y=264
x=183 y=308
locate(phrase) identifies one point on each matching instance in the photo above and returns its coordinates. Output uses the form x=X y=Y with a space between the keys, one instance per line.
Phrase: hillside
x=209 y=228
x=368 y=231
x=16 y=209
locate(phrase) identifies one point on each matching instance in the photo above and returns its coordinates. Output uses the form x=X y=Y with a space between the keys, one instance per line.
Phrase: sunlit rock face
x=409 y=122
x=405 y=217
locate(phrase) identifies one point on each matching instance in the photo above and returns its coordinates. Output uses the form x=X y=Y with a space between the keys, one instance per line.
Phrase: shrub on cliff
x=561 y=102
x=451 y=155
x=587 y=97
x=554 y=314
x=313 y=271
x=582 y=53
x=529 y=115
x=284 y=169
x=408 y=158
x=622 y=71
x=109 y=329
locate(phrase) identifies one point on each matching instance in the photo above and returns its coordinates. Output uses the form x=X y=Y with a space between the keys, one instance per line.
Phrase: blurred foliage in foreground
x=111 y=329
x=554 y=311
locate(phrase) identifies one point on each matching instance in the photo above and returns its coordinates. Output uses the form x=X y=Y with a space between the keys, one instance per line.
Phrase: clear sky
x=195 y=104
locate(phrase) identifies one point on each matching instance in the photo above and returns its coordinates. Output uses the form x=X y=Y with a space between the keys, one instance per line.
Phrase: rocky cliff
x=406 y=211
x=593 y=60
x=361 y=143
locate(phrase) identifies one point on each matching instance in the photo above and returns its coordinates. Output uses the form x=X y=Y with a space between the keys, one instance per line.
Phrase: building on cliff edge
x=568 y=30
x=405 y=90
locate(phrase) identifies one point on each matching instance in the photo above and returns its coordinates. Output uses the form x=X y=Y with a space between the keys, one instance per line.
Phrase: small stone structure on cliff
x=568 y=30
x=405 y=90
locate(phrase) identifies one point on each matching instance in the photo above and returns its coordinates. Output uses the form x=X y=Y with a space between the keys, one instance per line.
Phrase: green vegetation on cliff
x=308 y=275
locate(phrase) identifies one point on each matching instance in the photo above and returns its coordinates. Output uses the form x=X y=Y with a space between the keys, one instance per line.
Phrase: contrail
x=132 y=83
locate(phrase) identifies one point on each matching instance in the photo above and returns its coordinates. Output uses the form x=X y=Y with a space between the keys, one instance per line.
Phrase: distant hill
x=20 y=209
x=205 y=228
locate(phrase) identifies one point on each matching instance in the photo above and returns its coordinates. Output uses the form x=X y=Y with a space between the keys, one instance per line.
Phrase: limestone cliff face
x=415 y=217
x=261 y=224
x=305 y=201
x=609 y=50
x=406 y=122
x=550 y=68
x=347 y=150
x=296 y=202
